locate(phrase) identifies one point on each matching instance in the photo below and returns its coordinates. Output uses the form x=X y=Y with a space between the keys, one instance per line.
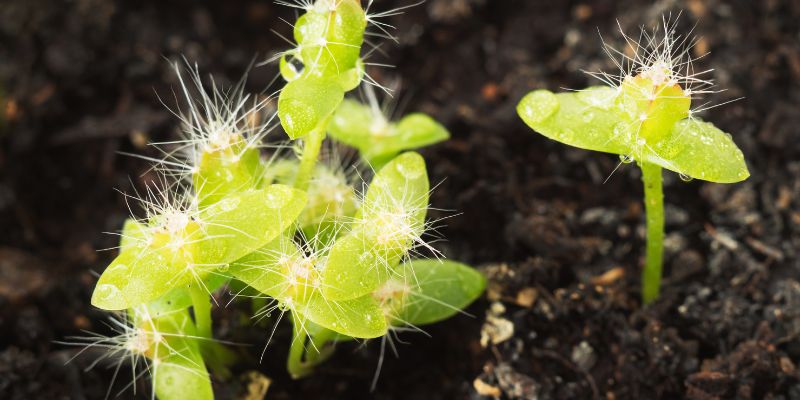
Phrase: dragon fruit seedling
x=644 y=114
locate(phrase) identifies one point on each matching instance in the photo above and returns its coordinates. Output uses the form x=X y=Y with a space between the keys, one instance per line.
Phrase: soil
x=561 y=318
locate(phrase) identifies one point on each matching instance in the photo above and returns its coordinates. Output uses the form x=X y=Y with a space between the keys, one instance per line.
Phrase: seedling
x=368 y=128
x=344 y=263
x=644 y=115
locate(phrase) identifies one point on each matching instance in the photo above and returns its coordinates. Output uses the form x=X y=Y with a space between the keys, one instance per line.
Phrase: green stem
x=320 y=350
x=201 y=303
x=295 y=364
x=308 y=159
x=654 y=209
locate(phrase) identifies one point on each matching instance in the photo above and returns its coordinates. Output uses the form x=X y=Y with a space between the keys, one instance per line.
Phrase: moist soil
x=562 y=247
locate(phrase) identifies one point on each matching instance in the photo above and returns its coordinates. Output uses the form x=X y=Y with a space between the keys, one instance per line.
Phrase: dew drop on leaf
x=567 y=135
x=117 y=269
x=228 y=204
x=107 y=293
x=408 y=172
x=625 y=159
x=685 y=178
x=539 y=105
x=621 y=130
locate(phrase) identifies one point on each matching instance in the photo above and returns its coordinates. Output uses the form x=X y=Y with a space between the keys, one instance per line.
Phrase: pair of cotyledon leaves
x=656 y=131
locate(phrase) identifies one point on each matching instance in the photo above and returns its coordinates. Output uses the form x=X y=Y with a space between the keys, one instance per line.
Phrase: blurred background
x=80 y=83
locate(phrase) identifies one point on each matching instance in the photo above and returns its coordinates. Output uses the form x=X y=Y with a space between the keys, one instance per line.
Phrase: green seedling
x=644 y=115
x=296 y=234
x=164 y=347
x=378 y=140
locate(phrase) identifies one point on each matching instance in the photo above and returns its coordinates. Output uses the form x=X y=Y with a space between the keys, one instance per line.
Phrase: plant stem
x=320 y=350
x=654 y=209
x=201 y=303
x=295 y=364
x=308 y=159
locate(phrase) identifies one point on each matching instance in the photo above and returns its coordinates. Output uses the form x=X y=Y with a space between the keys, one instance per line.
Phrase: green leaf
x=133 y=234
x=419 y=130
x=702 y=151
x=305 y=104
x=356 y=266
x=330 y=39
x=353 y=122
x=397 y=200
x=240 y=224
x=223 y=233
x=180 y=372
x=137 y=276
x=263 y=269
x=391 y=220
x=226 y=170
x=427 y=291
x=281 y=271
x=360 y=318
x=630 y=123
x=379 y=140
x=584 y=119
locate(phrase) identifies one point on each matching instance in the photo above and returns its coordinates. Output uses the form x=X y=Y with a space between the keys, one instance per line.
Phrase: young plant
x=368 y=128
x=644 y=115
x=164 y=346
x=343 y=263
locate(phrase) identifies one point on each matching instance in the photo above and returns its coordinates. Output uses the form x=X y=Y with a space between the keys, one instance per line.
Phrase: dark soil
x=563 y=250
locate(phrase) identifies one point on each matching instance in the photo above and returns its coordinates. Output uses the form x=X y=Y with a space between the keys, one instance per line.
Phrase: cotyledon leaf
x=136 y=276
x=391 y=219
x=433 y=290
x=232 y=228
x=702 y=151
x=356 y=266
x=242 y=223
x=585 y=119
x=352 y=124
x=411 y=132
x=221 y=172
x=180 y=371
x=264 y=271
x=379 y=140
x=262 y=268
x=361 y=317
x=305 y=103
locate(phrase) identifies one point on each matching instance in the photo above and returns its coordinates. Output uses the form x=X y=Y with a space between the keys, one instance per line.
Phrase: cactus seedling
x=644 y=115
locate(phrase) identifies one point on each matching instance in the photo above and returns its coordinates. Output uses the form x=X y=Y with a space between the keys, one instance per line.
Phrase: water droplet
x=107 y=293
x=588 y=116
x=410 y=172
x=621 y=131
x=228 y=204
x=537 y=106
x=685 y=178
x=625 y=159
x=277 y=200
x=601 y=97
x=224 y=267
x=117 y=269
x=566 y=135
